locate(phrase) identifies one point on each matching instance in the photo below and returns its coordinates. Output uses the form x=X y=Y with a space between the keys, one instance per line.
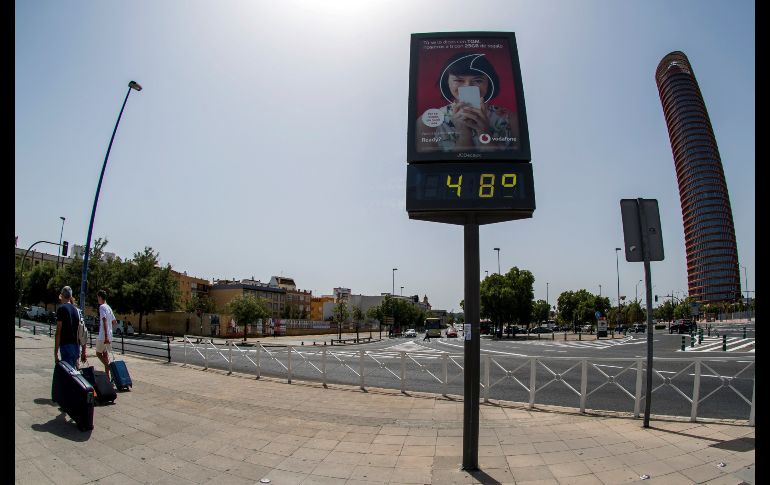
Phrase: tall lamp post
x=58 y=258
x=600 y=291
x=83 y=282
x=498 y=259
x=636 y=292
x=393 y=292
x=402 y=291
x=617 y=268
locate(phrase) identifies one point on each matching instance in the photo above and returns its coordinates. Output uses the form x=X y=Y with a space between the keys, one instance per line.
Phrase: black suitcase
x=105 y=391
x=74 y=394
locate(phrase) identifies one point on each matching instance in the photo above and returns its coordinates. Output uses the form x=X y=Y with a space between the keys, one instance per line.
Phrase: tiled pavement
x=186 y=425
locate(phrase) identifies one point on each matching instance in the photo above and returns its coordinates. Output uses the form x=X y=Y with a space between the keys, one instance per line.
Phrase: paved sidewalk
x=186 y=425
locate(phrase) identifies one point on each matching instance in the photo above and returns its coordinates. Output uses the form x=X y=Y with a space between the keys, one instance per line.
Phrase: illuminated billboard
x=466 y=100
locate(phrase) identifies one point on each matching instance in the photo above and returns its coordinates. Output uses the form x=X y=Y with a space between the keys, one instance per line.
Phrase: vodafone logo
x=485 y=138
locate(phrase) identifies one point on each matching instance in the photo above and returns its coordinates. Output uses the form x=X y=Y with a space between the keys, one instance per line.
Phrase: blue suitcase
x=74 y=394
x=120 y=375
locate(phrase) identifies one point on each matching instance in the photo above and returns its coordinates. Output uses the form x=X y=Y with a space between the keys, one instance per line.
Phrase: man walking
x=104 y=340
x=67 y=320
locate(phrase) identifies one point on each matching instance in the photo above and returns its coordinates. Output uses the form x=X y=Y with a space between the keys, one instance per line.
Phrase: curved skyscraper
x=709 y=235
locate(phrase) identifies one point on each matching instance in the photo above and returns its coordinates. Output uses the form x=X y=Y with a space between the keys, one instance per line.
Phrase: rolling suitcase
x=74 y=394
x=120 y=375
x=105 y=391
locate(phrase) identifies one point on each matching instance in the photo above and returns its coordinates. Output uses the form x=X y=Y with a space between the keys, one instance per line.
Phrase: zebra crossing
x=597 y=344
x=714 y=344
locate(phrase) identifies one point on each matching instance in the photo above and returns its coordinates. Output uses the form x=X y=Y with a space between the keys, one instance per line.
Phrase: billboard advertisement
x=466 y=100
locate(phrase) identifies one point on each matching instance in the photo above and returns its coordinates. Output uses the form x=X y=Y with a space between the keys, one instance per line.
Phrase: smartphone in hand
x=470 y=95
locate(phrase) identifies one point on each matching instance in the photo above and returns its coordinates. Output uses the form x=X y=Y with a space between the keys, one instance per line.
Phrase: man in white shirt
x=104 y=340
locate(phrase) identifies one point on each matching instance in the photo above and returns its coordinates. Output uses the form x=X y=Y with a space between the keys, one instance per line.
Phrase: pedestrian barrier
x=528 y=378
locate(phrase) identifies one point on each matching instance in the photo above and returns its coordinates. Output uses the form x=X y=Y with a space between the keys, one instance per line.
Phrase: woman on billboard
x=468 y=82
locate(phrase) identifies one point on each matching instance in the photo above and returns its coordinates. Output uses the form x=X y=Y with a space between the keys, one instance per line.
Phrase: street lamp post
x=83 y=282
x=600 y=291
x=636 y=292
x=617 y=268
x=487 y=273
x=498 y=259
x=58 y=258
x=402 y=291
x=393 y=292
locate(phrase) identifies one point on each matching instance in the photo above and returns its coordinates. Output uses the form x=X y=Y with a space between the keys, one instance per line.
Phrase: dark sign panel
x=450 y=191
x=466 y=101
x=641 y=229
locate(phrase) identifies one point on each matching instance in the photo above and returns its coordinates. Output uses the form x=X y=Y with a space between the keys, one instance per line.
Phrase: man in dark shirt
x=67 y=320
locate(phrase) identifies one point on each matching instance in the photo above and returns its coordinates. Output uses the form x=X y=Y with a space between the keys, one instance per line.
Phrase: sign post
x=644 y=243
x=468 y=162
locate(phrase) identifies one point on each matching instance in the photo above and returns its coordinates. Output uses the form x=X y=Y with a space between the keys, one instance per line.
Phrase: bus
x=433 y=327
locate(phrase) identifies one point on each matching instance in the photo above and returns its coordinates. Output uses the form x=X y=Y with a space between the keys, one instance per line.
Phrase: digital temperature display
x=470 y=187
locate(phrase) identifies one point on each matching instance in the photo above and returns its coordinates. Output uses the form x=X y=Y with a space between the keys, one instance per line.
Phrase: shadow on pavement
x=62 y=428
x=483 y=478
x=41 y=400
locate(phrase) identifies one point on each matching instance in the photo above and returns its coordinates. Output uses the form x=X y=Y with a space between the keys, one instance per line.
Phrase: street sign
x=640 y=238
x=598 y=314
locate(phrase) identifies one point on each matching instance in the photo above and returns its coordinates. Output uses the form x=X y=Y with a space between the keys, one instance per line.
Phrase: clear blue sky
x=270 y=137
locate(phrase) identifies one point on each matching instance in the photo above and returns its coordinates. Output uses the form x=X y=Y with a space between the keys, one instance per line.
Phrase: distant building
x=190 y=286
x=317 y=306
x=298 y=302
x=342 y=293
x=223 y=292
x=709 y=235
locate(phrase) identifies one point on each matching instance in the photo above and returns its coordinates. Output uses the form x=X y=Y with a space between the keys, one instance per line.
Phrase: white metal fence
x=532 y=380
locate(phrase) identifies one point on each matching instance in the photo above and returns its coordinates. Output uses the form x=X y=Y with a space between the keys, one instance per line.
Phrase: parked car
x=682 y=326
x=37 y=313
x=587 y=328
x=541 y=329
x=410 y=333
x=640 y=327
x=123 y=328
x=621 y=328
x=91 y=323
x=451 y=332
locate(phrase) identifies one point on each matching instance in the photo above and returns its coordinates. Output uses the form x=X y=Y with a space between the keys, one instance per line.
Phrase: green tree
x=38 y=287
x=507 y=298
x=200 y=304
x=540 y=311
x=247 y=310
x=341 y=314
x=144 y=287
x=358 y=317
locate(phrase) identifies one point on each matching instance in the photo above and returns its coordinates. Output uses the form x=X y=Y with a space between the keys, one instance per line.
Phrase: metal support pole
x=753 y=394
x=185 y=351
x=486 y=378
x=259 y=366
x=638 y=400
x=323 y=366
x=168 y=348
x=403 y=372
x=472 y=347
x=532 y=378
x=583 y=385
x=692 y=340
x=724 y=343
x=361 y=370
x=695 y=392
x=682 y=343
x=289 y=359
x=230 y=356
x=206 y=356
x=122 y=344
x=446 y=374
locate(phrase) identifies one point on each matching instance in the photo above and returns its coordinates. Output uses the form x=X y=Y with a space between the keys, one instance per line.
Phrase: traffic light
x=64 y=246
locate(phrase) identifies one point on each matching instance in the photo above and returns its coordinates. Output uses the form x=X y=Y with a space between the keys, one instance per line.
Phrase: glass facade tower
x=712 y=256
